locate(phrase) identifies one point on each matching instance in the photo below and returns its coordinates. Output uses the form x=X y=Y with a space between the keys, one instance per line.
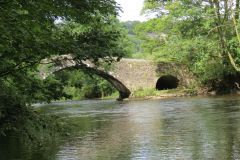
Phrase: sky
x=131 y=10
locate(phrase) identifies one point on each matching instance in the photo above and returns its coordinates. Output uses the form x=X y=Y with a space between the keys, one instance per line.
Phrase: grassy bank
x=153 y=93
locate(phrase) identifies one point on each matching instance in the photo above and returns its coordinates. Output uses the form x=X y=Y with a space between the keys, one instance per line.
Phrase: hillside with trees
x=204 y=35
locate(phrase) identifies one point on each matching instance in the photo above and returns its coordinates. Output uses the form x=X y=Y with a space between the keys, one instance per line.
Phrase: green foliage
x=130 y=26
x=79 y=85
x=143 y=93
x=35 y=30
x=35 y=127
x=132 y=42
x=194 y=33
x=151 y=93
x=30 y=34
x=32 y=31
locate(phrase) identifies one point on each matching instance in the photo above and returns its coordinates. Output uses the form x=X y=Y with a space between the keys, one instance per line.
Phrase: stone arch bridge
x=129 y=75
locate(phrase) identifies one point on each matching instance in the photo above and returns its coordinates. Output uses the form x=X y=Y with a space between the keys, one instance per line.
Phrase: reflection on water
x=180 y=128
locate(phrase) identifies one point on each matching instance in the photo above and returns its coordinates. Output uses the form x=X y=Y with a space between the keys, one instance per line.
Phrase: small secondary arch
x=167 y=82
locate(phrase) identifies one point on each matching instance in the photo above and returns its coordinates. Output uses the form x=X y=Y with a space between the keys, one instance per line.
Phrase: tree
x=203 y=34
x=35 y=30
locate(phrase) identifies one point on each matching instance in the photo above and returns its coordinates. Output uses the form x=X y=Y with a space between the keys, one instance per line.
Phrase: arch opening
x=167 y=82
x=124 y=92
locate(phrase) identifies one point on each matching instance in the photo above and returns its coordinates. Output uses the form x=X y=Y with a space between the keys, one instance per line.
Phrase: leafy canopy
x=200 y=34
x=35 y=30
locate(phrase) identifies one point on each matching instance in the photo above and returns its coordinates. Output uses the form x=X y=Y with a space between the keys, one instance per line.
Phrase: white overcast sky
x=131 y=10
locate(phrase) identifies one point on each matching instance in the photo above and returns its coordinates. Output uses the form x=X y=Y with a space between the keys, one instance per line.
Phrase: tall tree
x=203 y=34
x=35 y=30
x=222 y=15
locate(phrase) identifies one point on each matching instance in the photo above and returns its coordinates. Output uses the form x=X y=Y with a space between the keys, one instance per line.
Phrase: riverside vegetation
x=35 y=30
x=201 y=34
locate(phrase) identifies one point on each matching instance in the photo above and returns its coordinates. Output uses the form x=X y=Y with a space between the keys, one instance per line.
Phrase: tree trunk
x=237 y=10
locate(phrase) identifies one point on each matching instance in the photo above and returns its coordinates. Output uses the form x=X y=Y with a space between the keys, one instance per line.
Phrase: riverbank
x=179 y=92
x=151 y=93
x=156 y=94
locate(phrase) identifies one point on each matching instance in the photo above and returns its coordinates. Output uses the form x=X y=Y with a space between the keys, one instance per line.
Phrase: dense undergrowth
x=33 y=126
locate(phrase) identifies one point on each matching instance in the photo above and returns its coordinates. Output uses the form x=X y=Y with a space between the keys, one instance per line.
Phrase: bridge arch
x=124 y=92
x=167 y=82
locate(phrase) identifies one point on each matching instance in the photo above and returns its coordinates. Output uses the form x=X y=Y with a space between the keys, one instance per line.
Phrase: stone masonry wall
x=138 y=73
x=135 y=73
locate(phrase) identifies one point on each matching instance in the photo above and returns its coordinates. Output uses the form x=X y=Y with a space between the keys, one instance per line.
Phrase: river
x=174 y=128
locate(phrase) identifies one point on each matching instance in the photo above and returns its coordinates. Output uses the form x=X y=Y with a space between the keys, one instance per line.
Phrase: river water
x=176 y=128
